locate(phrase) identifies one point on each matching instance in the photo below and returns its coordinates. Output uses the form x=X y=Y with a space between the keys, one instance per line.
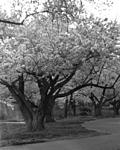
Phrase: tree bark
x=49 y=107
x=50 y=117
x=66 y=108
x=116 y=110
x=74 y=108
x=116 y=106
x=37 y=122
x=34 y=120
x=97 y=110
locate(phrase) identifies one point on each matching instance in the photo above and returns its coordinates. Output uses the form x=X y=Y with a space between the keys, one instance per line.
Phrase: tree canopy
x=54 y=58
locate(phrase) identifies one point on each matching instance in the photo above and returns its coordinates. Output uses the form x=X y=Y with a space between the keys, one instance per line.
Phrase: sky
x=112 y=13
x=102 y=11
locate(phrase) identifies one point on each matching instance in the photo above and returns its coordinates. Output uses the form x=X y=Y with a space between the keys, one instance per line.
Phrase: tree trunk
x=50 y=117
x=97 y=110
x=27 y=116
x=49 y=107
x=34 y=120
x=37 y=122
x=66 y=108
x=116 y=110
x=74 y=108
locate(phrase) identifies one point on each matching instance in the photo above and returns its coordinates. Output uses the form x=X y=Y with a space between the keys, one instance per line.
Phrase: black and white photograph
x=59 y=74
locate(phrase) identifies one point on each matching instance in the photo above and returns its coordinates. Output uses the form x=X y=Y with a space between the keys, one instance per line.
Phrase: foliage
x=55 y=59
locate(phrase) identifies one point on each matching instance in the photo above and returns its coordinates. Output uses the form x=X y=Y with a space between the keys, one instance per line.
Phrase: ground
x=14 y=133
x=108 y=141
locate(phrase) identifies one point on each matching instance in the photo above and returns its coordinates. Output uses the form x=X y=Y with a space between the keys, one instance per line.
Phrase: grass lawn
x=15 y=134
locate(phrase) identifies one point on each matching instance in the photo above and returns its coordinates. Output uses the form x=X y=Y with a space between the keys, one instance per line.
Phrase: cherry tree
x=50 y=56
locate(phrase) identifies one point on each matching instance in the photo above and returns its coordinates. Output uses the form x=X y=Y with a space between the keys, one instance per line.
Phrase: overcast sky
x=103 y=11
x=111 y=13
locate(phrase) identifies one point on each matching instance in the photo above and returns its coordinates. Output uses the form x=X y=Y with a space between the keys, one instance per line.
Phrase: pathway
x=110 y=141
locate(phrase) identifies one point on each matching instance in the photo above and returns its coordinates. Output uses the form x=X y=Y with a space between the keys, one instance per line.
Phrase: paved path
x=9 y=122
x=104 y=142
x=110 y=125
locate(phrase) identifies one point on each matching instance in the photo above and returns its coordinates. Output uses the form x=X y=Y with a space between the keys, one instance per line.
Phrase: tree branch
x=11 y=22
x=93 y=95
x=103 y=93
x=101 y=69
x=116 y=80
x=62 y=83
x=92 y=98
x=80 y=87
x=3 y=82
x=18 y=23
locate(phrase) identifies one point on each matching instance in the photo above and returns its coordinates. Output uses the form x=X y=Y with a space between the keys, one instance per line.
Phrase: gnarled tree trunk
x=37 y=122
x=49 y=109
x=34 y=120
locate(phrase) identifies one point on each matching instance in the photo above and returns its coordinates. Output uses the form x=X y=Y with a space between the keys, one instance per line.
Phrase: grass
x=15 y=134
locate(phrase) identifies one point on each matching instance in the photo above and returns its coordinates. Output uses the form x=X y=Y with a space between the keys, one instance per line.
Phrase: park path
x=110 y=141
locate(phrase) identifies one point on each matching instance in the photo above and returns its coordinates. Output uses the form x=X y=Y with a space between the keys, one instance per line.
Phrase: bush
x=2 y=117
x=85 y=111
